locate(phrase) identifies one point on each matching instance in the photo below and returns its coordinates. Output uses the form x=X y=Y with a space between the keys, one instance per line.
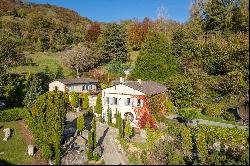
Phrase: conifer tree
x=47 y=119
x=85 y=103
x=99 y=105
x=155 y=61
x=114 y=46
x=94 y=132
x=80 y=123
x=128 y=130
x=90 y=145
x=109 y=116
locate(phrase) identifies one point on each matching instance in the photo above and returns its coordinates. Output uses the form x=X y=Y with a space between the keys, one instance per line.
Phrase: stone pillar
x=31 y=150
x=6 y=134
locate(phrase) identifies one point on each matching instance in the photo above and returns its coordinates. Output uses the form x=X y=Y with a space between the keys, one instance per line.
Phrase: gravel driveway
x=106 y=137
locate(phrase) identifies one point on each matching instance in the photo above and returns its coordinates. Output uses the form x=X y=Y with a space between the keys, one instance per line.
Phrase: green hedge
x=12 y=114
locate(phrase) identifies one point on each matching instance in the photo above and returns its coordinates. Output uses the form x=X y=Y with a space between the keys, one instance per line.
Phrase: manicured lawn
x=41 y=60
x=13 y=151
x=215 y=119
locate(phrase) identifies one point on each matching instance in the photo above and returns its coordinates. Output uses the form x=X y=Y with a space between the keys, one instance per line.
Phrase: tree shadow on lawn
x=4 y=162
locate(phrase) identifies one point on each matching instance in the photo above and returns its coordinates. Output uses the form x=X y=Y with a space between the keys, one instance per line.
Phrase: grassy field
x=40 y=61
x=13 y=151
x=53 y=60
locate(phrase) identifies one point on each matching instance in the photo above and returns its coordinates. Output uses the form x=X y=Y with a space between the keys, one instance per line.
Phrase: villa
x=74 y=85
x=132 y=99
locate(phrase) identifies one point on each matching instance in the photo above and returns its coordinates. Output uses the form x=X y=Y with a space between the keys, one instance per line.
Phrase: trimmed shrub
x=12 y=114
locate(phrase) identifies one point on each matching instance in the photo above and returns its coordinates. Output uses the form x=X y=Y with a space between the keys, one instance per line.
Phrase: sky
x=116 y=10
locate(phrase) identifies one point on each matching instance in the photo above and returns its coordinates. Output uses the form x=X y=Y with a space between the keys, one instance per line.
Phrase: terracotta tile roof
x=147 y=87
x=76 y=81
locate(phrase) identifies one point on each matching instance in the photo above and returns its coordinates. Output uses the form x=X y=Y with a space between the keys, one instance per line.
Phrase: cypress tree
x=85 y=104
x=109 y=116
x=128 y=130
x=90 y=145
x=80 y=123
x=117 y=119
x=94 y=132
x=120 y=126
x=99 y=105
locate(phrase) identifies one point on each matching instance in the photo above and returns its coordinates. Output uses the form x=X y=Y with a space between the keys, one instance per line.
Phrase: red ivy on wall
x=143 y=114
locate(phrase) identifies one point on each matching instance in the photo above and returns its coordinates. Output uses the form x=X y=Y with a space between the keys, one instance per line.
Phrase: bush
x=96 y=157
x=213 y=110
x=144 y=157
x=170 y=106
x=12 y=114
x=228 y=116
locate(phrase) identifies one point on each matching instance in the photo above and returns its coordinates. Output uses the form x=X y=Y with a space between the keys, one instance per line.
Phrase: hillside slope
x=41 y=27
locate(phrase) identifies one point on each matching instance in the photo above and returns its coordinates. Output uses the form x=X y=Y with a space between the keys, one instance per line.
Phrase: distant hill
x=41 y=27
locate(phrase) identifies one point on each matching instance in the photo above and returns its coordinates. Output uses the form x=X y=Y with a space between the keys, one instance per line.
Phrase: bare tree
x=161 y=19
x=80 y=58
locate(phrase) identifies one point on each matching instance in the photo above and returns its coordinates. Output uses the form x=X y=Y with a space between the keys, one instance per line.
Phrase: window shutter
x=111 y=100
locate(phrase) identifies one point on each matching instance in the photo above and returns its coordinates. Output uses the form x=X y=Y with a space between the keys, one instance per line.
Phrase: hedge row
x=12 y=114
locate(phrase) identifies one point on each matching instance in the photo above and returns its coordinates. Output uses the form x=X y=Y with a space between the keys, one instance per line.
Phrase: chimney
x=122 y=80
x=139 y=81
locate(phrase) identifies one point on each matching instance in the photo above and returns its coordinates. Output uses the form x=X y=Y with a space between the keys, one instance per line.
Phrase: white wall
x=59 y=85
x=76 y=87
x=121 y=92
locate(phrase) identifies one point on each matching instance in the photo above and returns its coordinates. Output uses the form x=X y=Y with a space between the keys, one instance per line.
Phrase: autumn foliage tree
x=138 y=32
x=92 y=33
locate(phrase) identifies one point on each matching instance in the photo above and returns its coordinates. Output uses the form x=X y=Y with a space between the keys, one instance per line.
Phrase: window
x=115 y=101
x=115 y=87
x=127 y=101
x=71 y=88
x=138 y=103
x=84 y=87
x=89 y=87
x=93 y=86
x=107 y=98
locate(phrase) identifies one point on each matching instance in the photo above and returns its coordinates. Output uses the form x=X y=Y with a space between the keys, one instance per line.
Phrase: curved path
x=207 y=122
